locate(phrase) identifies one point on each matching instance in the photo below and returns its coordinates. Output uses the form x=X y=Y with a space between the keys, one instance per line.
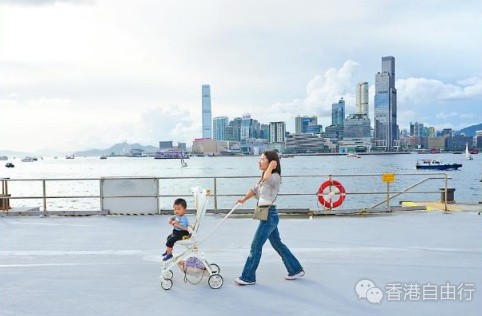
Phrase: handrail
x=217 y=195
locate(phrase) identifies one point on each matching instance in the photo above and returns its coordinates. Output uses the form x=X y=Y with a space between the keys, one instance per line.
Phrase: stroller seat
x=201 y=200
x=191 y=244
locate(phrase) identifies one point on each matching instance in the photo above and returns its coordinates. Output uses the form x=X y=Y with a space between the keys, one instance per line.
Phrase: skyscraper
x=206 y=111
x=233 y=131
x=250 y=128
x=219 y=127
x=303 y=122
x=362 y=98
x=385 y=133
x=338 y=113
x=277 y=131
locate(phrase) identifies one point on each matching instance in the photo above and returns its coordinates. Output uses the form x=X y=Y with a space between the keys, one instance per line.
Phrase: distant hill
x=11 y=153
x=470 y=131
x=120 y=149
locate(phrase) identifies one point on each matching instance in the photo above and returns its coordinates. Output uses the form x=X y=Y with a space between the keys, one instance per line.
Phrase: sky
x=87 y=74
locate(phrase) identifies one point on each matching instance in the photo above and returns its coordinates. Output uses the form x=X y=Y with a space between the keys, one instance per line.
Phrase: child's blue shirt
x=182 y=220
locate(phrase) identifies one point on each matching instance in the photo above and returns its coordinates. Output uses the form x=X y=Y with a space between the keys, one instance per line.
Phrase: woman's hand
x=248 y=195
x=273 y=164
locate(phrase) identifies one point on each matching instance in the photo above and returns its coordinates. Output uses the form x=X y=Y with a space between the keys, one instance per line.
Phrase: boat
x=3 y=158
x=28 y=159
x=70 y=156
x=137 y=153
x=468 y=156
x=183 y=163
x=9 y=165
x=436 y=164
x=103 y=157
x=171 y=154
x=352 y=155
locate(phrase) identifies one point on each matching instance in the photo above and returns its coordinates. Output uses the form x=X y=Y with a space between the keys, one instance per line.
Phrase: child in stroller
x=180 y=227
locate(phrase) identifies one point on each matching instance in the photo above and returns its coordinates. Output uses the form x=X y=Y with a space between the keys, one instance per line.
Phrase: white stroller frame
x=215 y=280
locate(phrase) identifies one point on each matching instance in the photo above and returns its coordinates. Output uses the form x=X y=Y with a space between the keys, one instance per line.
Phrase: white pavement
x=110 y=266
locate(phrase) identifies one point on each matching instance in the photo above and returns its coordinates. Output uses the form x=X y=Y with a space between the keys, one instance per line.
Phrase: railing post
x=44 y=196
x=446 y=193
x=388 y=196
x=101 y=192
x=157 y=197
x=215 y=194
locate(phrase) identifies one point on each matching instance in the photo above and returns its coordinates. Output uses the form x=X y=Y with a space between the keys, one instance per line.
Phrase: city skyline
x=83 y=74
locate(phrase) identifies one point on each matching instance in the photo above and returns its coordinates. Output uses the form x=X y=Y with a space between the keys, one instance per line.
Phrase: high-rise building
x=206 y=111
x=233 y=131
x=385 y=134
x=338 y=113
x=277 y=132
x=357 y=126
x=416 y=129
x=220 y=124
x=302 y=123
x=250 y=128
x=264 y=131
x=246 y=130
x=362 y=98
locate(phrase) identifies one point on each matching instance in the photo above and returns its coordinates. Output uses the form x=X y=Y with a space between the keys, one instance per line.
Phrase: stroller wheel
x=214 y=268
x=166 y=284
x=215 y=281
x=167 y=274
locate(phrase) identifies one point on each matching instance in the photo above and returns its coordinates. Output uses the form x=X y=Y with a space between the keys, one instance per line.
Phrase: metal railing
x=364 y=185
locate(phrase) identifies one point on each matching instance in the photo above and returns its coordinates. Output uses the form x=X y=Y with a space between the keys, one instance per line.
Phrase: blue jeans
x=268 y=230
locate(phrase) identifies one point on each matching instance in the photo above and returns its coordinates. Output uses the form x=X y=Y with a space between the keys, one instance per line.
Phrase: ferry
x=28 y=159
x=171 y=154
x=137 y=153
x=435 y=164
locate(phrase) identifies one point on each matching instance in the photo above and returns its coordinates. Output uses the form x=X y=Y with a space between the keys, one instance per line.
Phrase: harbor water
x=306 y=174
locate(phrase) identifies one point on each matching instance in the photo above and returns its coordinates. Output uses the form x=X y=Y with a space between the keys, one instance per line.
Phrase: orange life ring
x=329 y=202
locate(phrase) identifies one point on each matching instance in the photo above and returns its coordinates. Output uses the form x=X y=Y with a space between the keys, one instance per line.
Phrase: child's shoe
x=167 y=257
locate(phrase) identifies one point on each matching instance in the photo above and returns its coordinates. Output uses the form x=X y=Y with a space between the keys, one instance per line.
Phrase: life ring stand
x=328 y=202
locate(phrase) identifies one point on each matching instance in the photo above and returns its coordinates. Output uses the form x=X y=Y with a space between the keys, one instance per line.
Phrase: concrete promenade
x=109 y=265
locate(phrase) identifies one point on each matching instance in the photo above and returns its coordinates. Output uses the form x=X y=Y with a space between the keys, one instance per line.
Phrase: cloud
x=421 y=90
x=169 y=123
x=133 y=69
x=44 y=2
x=432 y=102
x=321 y=92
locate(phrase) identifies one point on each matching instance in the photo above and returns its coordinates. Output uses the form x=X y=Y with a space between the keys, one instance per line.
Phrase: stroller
x=192 y=259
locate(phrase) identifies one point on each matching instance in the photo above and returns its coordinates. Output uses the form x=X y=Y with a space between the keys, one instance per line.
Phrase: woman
x=266 y=191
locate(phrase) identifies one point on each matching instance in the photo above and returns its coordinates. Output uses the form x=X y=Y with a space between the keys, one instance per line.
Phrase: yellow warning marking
x=433 y=206
x=417 y=204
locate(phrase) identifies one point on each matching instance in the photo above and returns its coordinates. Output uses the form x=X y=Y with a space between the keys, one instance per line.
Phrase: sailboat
x=183 y=163
x=468 y=156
